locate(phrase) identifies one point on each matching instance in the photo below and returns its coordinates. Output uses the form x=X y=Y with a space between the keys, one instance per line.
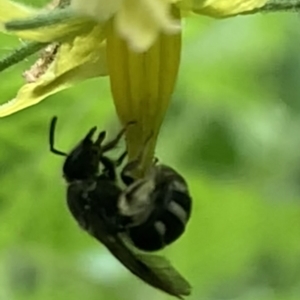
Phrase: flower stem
x=20 y=54
x=54 y=17
x=277 y=6
x=142 y=85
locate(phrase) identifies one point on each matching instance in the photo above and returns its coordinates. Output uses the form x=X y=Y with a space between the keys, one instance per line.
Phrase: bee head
x=82 y=162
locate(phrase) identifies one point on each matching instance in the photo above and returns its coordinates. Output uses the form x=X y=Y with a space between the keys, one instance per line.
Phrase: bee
x=92 y=198
x=156 y=208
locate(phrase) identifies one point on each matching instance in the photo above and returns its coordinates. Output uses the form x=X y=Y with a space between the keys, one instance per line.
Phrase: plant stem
x=277 y=6
x=29 y=48
x=20 y=54
x=43 y=20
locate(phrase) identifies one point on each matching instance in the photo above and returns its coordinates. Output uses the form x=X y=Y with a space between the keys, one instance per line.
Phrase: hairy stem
x=43 y=20
x=30 y=48
x=20 y=54
x=277 y=6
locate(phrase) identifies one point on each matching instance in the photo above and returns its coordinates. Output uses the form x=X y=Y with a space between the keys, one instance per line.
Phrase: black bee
x=92 y=198
x=156 y=208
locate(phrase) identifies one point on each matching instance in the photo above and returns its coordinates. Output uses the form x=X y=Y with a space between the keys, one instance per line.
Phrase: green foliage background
x=232 y=130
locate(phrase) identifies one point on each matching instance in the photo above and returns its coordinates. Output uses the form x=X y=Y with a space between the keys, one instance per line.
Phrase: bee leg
x=126 y=174
x=155 y=160
x=111 y=144
x=110 y=165
x=109 y=168
x=120 y=160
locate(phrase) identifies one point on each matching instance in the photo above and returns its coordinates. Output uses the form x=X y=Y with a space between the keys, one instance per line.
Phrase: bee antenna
x=119 y=161
x=113 y=143
x=52 y=137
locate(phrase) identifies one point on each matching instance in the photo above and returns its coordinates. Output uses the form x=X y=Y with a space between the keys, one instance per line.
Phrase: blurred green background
x=232 y=130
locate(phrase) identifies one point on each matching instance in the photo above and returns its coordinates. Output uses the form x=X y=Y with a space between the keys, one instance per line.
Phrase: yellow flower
x=136 y=42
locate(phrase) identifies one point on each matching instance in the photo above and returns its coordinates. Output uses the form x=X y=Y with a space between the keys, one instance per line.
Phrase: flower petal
x=84 y=58
x=142 y=85
x=221 y=8
x=10 y=11
x=140 y=22
x=100 y=10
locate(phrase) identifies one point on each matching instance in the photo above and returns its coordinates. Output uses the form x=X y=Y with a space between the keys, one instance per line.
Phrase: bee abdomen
x=166 y=228
x=147 y=238
x=176 y=216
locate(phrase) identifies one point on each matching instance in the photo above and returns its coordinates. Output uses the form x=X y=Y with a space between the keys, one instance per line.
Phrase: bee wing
x=166 y=276
x=154 y=270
